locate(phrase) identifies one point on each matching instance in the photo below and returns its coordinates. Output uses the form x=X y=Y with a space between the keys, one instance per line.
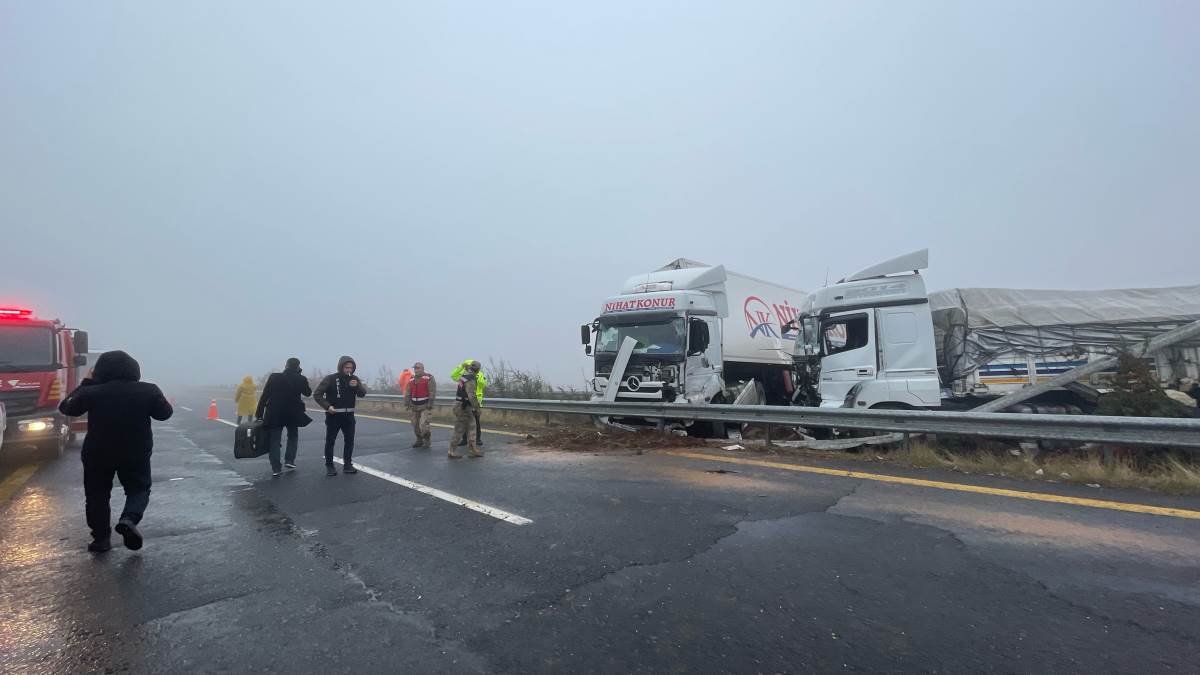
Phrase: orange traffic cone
x=212 y=410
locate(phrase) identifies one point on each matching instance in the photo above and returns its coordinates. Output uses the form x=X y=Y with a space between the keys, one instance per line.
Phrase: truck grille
x=17 y=403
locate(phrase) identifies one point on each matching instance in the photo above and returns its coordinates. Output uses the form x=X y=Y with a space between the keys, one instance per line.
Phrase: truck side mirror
x=80 y=341
x=697 y=337
x=585 y=334
x=587 y=349
x=79 y=361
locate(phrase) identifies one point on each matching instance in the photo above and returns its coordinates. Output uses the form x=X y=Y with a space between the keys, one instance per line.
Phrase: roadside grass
x=507 y=420
x=1162 y=471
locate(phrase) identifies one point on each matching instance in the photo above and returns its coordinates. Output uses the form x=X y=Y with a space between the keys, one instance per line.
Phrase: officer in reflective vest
x=418 y=398
x=480 y=385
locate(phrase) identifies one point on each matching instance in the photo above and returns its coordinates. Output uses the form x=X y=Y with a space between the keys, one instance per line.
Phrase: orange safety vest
x=405 y=378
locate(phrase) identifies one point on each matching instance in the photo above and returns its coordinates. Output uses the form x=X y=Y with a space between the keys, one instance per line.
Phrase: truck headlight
x=35 y=425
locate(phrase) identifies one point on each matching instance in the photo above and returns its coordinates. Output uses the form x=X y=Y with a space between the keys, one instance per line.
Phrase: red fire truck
x=40 y=362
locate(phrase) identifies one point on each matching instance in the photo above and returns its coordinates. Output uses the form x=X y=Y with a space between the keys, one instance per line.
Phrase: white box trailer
x=699 y=334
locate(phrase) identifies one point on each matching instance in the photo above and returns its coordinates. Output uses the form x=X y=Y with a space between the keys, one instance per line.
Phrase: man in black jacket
x=336 y=395
x=280 y=407
x=119 y=441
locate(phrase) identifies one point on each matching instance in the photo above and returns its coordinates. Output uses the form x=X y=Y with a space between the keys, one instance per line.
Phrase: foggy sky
x=215 y=187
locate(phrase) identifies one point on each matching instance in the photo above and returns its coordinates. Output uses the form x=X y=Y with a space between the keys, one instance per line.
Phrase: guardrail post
x=769 y=428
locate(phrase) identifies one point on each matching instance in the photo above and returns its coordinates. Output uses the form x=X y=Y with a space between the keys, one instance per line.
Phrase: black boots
x=129 y=532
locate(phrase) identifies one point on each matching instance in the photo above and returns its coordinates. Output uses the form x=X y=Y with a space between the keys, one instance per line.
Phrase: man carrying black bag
x=279 y=407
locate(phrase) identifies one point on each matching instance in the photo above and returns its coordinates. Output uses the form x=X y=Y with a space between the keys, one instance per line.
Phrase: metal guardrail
x=1181 y=433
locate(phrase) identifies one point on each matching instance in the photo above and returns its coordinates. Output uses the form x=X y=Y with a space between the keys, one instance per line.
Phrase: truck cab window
x=845 y=334
x=24 y=346
x=659 y=337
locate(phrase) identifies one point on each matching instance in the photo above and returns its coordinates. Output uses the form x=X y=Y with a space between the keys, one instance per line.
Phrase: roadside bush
x=508 y=381
x=1137 y=393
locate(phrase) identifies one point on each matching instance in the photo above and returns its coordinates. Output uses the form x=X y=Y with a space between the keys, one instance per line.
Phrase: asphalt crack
x=1091 y=612
x=733 y=530
x=1088 y=612
x=202 y=605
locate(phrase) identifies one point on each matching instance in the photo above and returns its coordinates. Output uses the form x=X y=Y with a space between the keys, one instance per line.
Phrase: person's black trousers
x=275 y=440
x=343 y=422
x=98 y=472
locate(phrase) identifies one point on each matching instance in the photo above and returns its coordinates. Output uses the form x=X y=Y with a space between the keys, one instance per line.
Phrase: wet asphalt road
x=631 y=564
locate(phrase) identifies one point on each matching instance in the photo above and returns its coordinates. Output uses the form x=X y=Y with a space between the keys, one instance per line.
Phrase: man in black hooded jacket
x=119 y=441
x=336 y=395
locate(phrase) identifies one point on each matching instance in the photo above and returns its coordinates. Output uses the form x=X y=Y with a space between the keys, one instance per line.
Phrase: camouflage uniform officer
x=466 y=407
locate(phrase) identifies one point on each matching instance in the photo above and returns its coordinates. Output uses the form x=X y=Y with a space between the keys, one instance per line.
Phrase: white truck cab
x=877 y=339
x=868 y=339
x=696 y=334
x=674 y=317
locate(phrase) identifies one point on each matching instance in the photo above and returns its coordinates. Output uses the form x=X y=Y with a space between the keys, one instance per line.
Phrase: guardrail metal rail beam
x=1141 y=431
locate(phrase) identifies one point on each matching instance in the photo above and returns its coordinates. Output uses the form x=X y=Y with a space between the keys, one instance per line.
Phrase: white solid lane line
x=444 y=496
x=492 y=511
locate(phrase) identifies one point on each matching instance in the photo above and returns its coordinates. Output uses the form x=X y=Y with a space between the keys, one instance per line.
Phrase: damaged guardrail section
x=1150 y=431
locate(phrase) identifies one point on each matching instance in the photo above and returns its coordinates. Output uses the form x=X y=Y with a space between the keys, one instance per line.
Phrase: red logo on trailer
x=762 y=318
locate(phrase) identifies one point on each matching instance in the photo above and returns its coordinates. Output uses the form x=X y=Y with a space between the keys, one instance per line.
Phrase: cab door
x=849 y=355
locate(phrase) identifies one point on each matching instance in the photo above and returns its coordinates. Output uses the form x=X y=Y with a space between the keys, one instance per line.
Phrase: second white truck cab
x=869 y=339
x=877 y=339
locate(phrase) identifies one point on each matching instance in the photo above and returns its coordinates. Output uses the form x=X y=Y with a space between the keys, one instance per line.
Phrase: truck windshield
x=658 y=337
x=808 y=340
x=24 y=348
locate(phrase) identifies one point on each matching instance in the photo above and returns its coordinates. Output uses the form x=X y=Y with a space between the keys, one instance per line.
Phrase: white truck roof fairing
x=704 y=278
x=874 y=292
x=681 y=279
x=909 y=262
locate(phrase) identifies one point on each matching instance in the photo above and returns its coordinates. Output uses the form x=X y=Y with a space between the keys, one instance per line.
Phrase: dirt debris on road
x=595 y=440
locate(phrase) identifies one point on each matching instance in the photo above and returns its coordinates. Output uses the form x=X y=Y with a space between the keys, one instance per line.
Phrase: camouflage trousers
x=464 y=426
x=421 y=419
